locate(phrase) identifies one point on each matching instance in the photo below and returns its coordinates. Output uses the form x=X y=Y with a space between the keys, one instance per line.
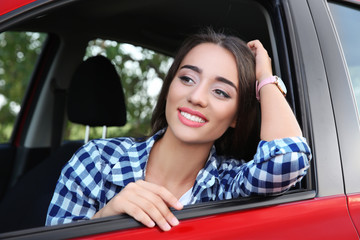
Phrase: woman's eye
x=221 y=93
x=186 y=79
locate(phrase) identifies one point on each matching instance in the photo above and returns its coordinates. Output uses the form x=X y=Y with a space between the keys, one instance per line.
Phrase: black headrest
x=95 y=96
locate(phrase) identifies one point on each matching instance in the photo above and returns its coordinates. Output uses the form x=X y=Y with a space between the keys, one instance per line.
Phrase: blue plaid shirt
x=102 y=168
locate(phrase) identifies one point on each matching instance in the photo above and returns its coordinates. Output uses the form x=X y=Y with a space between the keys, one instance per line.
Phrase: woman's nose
x=199 y=95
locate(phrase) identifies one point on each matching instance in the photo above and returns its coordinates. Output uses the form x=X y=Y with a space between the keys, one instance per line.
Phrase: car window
x=18 y=54
x=141 y=72
x=345 y=18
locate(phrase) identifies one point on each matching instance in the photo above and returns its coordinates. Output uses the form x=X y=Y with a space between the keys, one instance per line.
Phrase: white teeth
x=192 y=117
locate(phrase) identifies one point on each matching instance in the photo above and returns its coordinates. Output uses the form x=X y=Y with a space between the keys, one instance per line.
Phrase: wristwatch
x=274 y=80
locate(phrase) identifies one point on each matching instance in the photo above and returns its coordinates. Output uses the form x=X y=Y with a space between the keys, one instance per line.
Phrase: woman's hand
x=148 y=203
x=262 y=60
x=277 y=118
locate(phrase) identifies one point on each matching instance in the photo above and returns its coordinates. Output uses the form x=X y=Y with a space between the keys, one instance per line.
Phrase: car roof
x=159 y=24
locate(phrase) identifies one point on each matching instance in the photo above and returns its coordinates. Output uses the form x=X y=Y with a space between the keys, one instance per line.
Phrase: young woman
x=201 y=125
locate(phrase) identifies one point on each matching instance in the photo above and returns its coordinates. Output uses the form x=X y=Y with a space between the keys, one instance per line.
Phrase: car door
x=324 y=216
x=339 y=17
x=316 y=209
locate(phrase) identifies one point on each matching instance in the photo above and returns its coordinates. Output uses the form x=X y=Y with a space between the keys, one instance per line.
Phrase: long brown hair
x=239 y=142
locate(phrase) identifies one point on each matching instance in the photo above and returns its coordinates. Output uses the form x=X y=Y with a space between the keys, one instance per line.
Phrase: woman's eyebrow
x=226 y=81
x=220 y=79
x=194 y=68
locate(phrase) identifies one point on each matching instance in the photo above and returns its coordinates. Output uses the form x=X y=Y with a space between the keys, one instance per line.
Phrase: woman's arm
x=81 y=194
x=283 y=156
x=146 y=202
x=277 y=118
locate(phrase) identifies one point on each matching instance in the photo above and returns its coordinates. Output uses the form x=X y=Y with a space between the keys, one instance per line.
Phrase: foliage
x=141 y=72
x=18 y=53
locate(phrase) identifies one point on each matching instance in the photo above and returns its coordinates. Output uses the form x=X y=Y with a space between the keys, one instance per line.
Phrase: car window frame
x=28 y=11
x=345 y=108
x=315 y=98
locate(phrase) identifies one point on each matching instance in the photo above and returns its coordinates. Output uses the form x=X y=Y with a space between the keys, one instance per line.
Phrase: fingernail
x=174 y=221
x=179 y=205
x=151 y=224
x=166 y=227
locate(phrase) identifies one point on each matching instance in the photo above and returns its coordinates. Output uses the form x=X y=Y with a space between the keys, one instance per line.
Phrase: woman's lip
x=193 y=112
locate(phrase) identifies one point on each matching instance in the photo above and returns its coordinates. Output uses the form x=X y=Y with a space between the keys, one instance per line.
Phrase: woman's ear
x=233 y=123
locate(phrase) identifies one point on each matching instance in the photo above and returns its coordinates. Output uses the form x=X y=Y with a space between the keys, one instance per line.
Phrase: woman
x=201 y=126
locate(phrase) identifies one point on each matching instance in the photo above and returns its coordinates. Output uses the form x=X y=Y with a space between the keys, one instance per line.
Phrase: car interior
x=63 y=85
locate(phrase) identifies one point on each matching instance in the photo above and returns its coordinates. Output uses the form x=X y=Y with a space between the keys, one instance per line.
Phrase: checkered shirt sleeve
x=277 y=166
x=83 y=187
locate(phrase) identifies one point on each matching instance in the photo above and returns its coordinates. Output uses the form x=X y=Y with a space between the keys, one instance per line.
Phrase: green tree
x=18 y=53
x=139 y=69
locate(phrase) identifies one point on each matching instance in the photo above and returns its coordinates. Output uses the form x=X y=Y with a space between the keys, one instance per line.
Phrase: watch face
x=281 y=85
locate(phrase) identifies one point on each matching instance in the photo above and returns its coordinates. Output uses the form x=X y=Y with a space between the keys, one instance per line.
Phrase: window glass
x=347 y=21
x=18 y=54
x=141 y=72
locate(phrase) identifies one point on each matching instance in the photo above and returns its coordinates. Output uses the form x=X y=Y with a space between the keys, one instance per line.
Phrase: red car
x=314 y=48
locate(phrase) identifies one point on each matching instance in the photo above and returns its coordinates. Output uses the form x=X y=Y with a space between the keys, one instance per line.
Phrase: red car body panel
x=354 y=209
x=8 y=6
x=326 y=218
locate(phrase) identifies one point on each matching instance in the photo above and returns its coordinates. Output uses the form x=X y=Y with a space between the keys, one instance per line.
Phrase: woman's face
x=202 y=98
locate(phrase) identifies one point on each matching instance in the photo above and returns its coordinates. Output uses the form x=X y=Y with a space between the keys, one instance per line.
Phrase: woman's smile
x=191 y=118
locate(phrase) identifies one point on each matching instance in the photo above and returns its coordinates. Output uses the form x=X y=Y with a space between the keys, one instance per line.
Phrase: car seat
x=95 y=98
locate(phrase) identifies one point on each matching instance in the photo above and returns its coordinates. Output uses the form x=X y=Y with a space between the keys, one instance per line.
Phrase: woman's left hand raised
x=262 y=60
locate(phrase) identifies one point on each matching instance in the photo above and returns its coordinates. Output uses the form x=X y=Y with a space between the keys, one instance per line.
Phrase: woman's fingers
x=165 y=194
x=161 y=199
x=138 y=214
x=263 y=61
x=148 y=203
x=152 y=200
x=153 y=212
x=254 y=46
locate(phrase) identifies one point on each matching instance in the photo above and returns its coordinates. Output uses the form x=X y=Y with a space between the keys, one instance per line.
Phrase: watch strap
x=264 y=82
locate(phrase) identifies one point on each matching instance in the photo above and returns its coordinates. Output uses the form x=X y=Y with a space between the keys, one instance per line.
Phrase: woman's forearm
x=277 y=118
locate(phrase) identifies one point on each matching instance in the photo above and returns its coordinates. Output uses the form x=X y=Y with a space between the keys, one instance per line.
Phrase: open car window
x=142 y=54
x=18 y=57
x=141 y=73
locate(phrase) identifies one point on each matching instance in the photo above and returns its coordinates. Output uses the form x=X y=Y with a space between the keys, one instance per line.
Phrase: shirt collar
x=138 y=155
x=136 y=158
